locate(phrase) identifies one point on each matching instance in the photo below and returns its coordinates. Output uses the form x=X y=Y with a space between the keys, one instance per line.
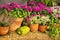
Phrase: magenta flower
x=28 y=8
x=42 y=5
x=27 y=19
x=37 y=9
x=22 y=5
x=58 y=16
x=34 y=14
x=16 y=6
x=31 y=3
x=48 y=9
x=0 y=6
x=6 y=6
x=42 y=14
x=13 y=3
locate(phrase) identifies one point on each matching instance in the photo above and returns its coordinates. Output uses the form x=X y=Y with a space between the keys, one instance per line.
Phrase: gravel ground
x=29 y=36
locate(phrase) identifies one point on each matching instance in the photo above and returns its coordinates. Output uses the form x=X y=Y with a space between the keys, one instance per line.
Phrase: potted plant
x=33 y=21
x=4 y=21
x=4 y=28
x=44 y=20
x=18 y=15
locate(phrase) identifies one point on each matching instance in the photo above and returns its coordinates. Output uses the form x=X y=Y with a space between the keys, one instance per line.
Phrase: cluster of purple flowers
x=30 y=6
x=28 y=18
x=38 y=7
x=10 y=6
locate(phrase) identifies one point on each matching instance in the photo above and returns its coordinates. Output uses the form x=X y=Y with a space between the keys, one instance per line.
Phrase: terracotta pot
x=42 y=28
x=4 y=30
x=34 y=27
x=16 y=24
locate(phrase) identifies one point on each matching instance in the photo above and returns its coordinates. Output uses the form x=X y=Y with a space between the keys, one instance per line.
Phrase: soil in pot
x=4 y=30
x=16 y=24
x=34 y=27
x=42 y=28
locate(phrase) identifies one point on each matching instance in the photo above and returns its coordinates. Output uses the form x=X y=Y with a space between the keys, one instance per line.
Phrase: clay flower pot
x=42 y=28
x=16 y=24
x=34 y=27
x=4 y=30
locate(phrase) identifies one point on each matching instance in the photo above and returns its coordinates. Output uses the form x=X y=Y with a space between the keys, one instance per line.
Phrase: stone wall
x=7 y=1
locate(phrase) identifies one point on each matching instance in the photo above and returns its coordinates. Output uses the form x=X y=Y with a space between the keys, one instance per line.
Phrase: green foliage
x=44 y=20
x=35 y=20
x=4 y=24
x=19 y=13
x=48 y=2
x=54 y=33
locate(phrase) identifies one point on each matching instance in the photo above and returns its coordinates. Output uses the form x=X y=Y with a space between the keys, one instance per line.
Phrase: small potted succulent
x=33 y=21
x=4 y=28
x=44 y=20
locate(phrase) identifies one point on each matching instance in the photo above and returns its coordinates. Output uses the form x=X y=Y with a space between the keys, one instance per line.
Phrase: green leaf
x=46 y=1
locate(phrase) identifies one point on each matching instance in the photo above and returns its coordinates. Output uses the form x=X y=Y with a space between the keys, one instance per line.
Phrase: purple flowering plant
x=40 y=7
x=33 y=19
